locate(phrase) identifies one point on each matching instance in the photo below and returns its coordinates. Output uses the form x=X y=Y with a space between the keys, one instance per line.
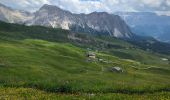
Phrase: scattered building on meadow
x=91 y=54
x=116 y=69
x=164 y=59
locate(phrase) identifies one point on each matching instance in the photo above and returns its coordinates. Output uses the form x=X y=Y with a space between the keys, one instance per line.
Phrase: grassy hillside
x=51 y=62
x=33 y=94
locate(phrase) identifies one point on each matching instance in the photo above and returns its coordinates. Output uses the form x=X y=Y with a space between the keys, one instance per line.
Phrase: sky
x=88 y=6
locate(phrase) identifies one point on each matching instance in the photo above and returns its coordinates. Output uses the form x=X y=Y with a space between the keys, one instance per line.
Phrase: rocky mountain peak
x=51 y=11
x=101 y=23
x=49 y=7
x=99 y=13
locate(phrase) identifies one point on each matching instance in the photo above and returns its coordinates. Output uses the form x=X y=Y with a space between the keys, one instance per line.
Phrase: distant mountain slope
x=81 y=39
x=148 y=24
x=13 y=16
x=94 y=23
x=52 y=16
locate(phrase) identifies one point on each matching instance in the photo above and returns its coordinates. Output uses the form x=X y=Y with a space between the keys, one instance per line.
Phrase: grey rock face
x=52 y=16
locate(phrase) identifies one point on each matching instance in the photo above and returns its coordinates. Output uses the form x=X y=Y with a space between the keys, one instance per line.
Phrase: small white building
x=91 y=55
x=116 y=69
x=164 y=59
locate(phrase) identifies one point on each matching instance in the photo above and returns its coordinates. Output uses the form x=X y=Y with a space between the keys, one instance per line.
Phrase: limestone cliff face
x=52 y=16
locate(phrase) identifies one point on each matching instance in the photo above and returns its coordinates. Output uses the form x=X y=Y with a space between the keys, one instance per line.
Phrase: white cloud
x=160 y=13
x=168 y=2
x=152 y=3
x=87 y=6
x=29 y=5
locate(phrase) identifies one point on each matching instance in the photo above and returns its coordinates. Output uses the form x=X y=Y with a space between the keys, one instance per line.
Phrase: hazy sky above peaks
x=87 y=6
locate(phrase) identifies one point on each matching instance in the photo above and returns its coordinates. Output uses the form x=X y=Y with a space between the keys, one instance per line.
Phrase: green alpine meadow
x=84 y=50
x=34 y=65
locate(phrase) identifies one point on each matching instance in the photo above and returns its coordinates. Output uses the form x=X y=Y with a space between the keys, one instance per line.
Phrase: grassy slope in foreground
x=33 y=94
x=61 y=67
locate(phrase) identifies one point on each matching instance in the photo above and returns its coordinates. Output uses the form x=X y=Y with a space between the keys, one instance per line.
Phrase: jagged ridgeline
x=52 y=16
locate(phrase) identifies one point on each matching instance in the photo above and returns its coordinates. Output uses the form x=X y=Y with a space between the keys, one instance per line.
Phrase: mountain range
x=52 y=16
x=148 y=24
